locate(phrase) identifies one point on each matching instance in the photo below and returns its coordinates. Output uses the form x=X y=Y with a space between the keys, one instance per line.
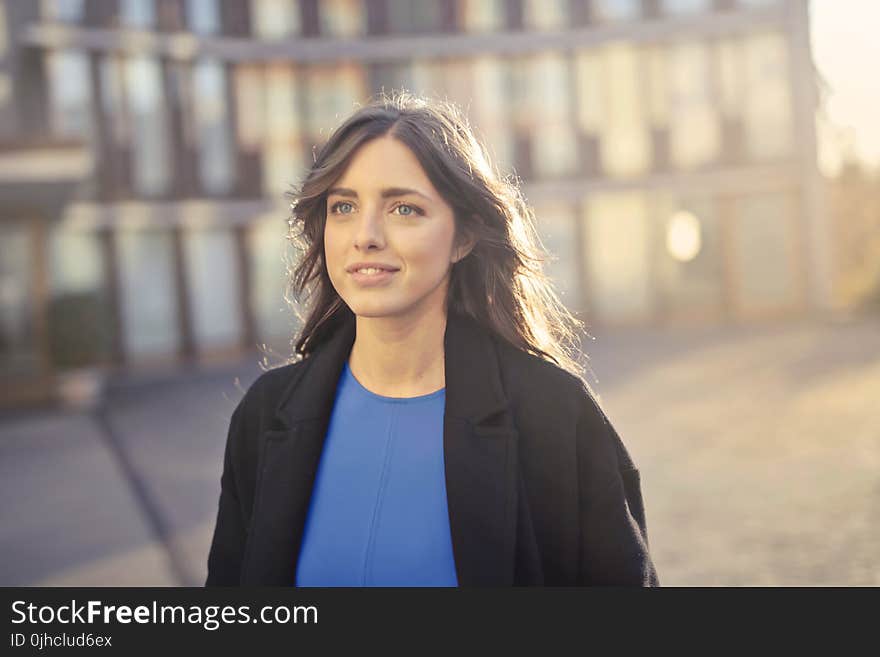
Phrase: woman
x=436 y=430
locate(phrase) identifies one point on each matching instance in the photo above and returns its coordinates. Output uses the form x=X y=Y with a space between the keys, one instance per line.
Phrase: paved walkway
x=759 y=450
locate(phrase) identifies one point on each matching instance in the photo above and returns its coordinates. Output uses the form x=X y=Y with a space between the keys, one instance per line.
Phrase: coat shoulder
x=255 y=412
x=268 y=388
x=550 y=401
x=533 y=380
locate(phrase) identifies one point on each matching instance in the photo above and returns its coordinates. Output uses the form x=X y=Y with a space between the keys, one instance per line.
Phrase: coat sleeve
x=613 y=532
x=230 y=534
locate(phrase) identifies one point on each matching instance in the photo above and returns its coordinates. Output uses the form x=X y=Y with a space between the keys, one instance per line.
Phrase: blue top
x=378 y=513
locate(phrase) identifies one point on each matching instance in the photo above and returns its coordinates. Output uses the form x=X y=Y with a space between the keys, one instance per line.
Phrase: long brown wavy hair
x=500 y=283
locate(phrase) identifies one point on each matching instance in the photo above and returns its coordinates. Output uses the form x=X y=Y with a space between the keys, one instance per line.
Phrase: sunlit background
x=706 y=174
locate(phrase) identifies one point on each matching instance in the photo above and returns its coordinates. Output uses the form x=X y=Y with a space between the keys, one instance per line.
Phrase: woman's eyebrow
x=388 y=192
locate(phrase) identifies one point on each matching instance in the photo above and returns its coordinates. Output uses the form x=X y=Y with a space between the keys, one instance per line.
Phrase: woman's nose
x=370 y=229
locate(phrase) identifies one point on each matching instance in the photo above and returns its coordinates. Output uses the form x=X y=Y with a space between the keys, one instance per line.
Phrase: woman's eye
x=411 y=210
x=340 y=204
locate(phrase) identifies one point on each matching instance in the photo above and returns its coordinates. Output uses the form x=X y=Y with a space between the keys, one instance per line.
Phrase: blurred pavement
x=759 y=450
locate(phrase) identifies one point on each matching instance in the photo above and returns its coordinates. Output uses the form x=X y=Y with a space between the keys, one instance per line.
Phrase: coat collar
x=479 y=442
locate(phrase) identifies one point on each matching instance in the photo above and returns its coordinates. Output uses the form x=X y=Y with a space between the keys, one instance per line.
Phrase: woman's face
x=384 y=210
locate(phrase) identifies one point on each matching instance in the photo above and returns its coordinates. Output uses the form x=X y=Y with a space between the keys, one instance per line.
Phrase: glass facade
x=489 y=111
x=557 y=228
x=554 y=147
x=213 y=132
x=77 y=261
x=688 y=255
x=63 y=11
x=275 y=19
x=18 y=339
x=765 y=247
x=203 y=16
x=149 y=298
x=149 y=135
x=342 y=18
x=69 y=92
x=618 y=242
x=112 y=98
x=625 y=140
x=624 y=115
x=270 y=258
x=481 y=15
x=414 y=16
x=694 y=124
x=767 y=113
x=137 y=13
x=545 y=14
x=214 y=296
x=607 y=11
x=283 y=150
x=330 y=94
x=686 y=7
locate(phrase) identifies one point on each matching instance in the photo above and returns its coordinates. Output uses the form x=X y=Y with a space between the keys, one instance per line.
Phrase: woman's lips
x=368 y=280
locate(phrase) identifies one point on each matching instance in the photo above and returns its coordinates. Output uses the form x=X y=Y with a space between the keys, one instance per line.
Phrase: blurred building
x=667 y=145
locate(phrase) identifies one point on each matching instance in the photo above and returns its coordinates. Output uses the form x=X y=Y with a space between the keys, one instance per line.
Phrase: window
x=203 y=16
x=554 y=146
x=688 y=255
x=403 y=75
x=214 y=138
x=342 y=18
x=63 y=11
x=149 y=308
x=440 y=78
x=546 y=14
x=77 y=261
x=617 y=247
x=18 y=342
x=250 y=103
x=112 y=99
x=415 y=16
x=332 y=93
x=694 y=125
x=137 y=13
x=69 y=93
x=556 y=227
x=150 y=148
x=655 y=66
x=685 y=7
x=4 y=37
x=625 y=146
x=590 y=93
x=482 y=15
x=213 y=286
x=269 y=260
x=490 y=109
x=729 y=77
x=554 y=150
x=517 y=92
x=550 y=83
x=768 y=112
x=283 y=150
x=275 y=19
x=457 y=76
x=765 y=252
x=608 y=11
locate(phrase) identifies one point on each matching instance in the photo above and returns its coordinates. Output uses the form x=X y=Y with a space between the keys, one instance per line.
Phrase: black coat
x=540 y=488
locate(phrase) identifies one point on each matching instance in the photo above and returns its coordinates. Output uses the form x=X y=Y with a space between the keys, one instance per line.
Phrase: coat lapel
x=479 y=441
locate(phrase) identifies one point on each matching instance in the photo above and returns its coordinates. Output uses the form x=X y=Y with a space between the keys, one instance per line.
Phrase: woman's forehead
x=382 y=166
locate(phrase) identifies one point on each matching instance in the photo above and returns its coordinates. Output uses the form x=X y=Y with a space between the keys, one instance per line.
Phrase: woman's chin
x=375 y=310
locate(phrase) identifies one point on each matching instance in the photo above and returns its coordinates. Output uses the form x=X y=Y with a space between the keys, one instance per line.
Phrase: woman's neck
x=399 y=356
